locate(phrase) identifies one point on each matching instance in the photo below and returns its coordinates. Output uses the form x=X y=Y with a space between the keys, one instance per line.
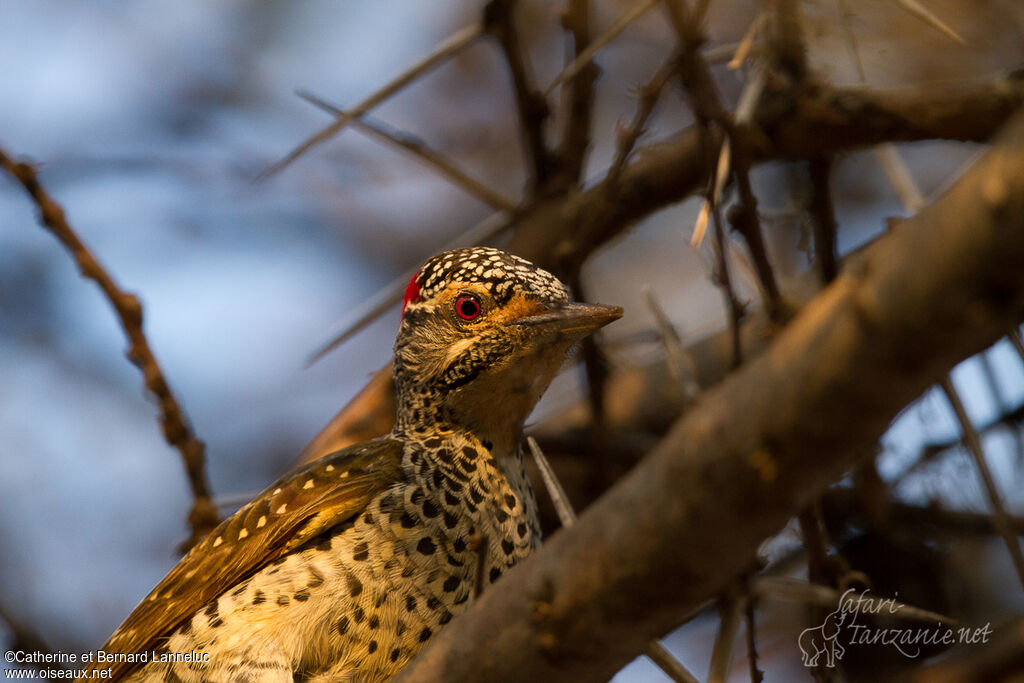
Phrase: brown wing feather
x=292 y=511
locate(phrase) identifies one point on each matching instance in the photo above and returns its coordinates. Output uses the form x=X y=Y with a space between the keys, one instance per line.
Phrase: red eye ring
x=468 y=307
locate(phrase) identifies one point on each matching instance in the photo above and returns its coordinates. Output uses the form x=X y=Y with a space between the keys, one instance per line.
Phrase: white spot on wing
x=309 y=484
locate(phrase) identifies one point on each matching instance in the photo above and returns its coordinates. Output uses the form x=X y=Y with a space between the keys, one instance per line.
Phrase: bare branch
x=419 y=149
x=806 y=422
x=584 y=58
x=824 y=217
x=499 y=21
x=572 y=153
x=448 y=48
x=972 y=439
x=481 y=233
x=928 y=17
x=176 y=428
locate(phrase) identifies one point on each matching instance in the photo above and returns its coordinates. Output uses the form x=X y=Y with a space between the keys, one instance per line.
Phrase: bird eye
x=468 y=307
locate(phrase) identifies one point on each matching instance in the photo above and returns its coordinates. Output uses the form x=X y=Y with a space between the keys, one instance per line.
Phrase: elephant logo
x=823 y=640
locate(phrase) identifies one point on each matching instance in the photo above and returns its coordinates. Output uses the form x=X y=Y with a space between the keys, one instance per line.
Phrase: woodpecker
x=342 y=570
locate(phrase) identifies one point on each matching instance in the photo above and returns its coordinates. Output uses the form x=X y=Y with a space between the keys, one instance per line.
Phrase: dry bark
x=944 y=285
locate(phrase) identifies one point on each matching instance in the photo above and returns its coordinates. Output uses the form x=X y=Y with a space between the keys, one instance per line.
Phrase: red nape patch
x=412 y=292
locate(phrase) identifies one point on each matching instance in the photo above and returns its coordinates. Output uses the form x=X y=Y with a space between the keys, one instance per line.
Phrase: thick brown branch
x=557 y=232
x=688 y=519
x=176 y=428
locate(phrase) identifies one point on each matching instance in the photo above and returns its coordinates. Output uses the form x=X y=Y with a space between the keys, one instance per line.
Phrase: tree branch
x=688 y=519
x=177 y=431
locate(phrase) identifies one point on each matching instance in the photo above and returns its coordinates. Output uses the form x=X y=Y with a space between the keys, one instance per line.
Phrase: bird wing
x=290 y=512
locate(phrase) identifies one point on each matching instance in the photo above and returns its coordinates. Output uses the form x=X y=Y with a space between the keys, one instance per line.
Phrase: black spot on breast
x=407 y=572
x=426 y=546
x=410 y=603
x=302 y=594
x=417 y=497
x=487 y=444
x=315 y=580
x=374 y=621
x=342 y=626
x=451 y=499
x=361 y=552
x=324 y=544
x=521 y=530
x=433 y=603
x=510 y=501
x=451 y=584
x=445 y=617
x=211 y=608
x=368 y=518
x=241 y=589
x=430 y=510
x=470 y=453
x=381 y=599
x=425 y=635
x=359 y=615
x=433 y=443
x=501 y=516
x=495 y=574
x=452 y=485
x=355 y=587
x=459 y=545
x=476 y=495
x=395 y=654
x=280 y=560
x=438 y=478
x=373 y=646
x=507 y=546
x=259 y=598
x=283 y=600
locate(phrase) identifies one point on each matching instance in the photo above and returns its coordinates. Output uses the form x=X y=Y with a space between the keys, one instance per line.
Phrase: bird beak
x=575 y=319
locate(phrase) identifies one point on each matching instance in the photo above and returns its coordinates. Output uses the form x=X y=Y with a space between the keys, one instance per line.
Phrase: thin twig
x=176 y=428
x=756 y=675
x=928 y=17
x=823 y=217
x=788 y=39
x=746 y=44
x=572 y=152
x=796 y=590
x=900 y=178
x=647 y=97
x=419 y=149
x=734 y=308
x=721 y=653
x=680 y=363
x=972 y=439
x=668 y=663
x=567 y=516
x=1017 y=341
x=584 y=58
x=499 y=21
x=389 y=295
x=811 y=529
x=448 y=48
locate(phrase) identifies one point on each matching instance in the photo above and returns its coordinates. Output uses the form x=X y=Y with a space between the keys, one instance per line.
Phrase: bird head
x=483 y=333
